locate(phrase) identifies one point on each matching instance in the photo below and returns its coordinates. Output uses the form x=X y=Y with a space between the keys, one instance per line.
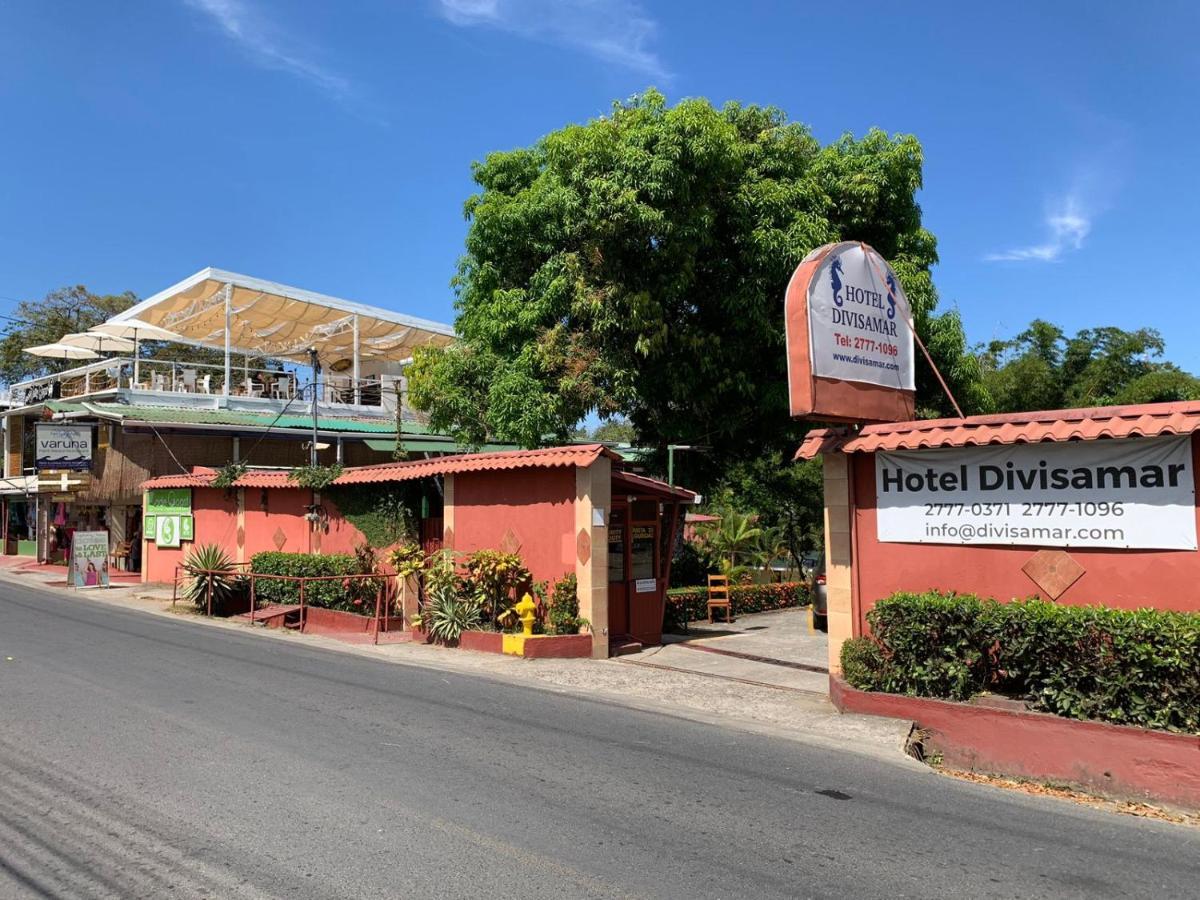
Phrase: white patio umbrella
x=137 y=331
x=98 y=341
x=61 y=351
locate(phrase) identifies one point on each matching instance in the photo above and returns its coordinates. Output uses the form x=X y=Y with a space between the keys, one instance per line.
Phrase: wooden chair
x=121 y=555
x=718 y=597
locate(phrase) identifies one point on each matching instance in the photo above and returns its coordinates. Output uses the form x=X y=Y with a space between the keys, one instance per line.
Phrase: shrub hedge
x=1129 y=667
x=354 y=595
x=690 y=603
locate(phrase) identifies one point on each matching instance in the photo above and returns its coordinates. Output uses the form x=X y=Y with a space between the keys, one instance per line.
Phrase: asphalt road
x=146 y=757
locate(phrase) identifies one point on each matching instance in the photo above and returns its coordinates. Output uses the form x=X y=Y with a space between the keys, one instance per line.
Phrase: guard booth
x=643 y=528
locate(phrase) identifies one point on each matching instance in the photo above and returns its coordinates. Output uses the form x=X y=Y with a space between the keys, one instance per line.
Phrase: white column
x=357 y=388
x=228 y=337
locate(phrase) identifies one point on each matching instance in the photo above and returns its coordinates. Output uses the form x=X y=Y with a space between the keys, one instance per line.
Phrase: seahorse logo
x=835 y=271
x=891 y=298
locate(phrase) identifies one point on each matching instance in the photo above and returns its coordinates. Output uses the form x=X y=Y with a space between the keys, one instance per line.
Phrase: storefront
x=564 y=510
x=20 y=517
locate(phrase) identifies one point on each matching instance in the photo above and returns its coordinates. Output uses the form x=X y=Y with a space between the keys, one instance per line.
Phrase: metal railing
x=201 y=379
x=382 y=620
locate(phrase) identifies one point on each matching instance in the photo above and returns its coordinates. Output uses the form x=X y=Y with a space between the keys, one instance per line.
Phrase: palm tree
x=732 y=541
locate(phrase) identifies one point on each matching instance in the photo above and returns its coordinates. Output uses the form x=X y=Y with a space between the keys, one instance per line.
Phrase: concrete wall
x=525 y=511
x=251 y=521
x=215 y=517
x=1122 y=578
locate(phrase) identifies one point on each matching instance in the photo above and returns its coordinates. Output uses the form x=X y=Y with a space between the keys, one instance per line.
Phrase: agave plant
x=209 y=568
x=447 y=615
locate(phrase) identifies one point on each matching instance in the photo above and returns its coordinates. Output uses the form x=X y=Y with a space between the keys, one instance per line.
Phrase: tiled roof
x=629 y=481
x=1093 y=423
x=580 y=455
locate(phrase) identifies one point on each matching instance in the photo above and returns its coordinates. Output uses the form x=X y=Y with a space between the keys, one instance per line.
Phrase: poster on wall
x=167 y=531
x=63 y=447
x=89 y=559
x=1136 y=494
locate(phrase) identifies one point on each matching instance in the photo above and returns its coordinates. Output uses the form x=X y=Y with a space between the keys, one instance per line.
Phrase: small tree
x=732 y=541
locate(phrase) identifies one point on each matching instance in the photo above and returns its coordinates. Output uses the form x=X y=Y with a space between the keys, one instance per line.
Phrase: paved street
x=141 y=756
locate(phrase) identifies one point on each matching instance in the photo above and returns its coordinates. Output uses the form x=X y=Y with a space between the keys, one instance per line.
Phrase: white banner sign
x=858 y=320
x=1136 y=493
x=64 y=446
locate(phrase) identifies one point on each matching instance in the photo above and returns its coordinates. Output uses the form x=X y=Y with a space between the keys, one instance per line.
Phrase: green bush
x=863 y=664
x=562 y=612
x=691 y=603
x=355 y=595
x=1129 y=667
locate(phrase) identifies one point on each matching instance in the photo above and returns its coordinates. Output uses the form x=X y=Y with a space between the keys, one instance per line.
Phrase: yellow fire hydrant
x=525 y=612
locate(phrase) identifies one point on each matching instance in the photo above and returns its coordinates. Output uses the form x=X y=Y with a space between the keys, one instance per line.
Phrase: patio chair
x=254 y=389
x=281 y=389
x=158 y=382
x=718 y=597
x=120 y=556
x=204 y=383
x=187 y=381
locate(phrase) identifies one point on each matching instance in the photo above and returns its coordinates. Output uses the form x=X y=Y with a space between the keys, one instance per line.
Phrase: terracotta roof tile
x=1093 y=423
x=577 y=455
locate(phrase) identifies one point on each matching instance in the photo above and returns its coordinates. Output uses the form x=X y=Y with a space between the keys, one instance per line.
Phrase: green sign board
x=169 y=502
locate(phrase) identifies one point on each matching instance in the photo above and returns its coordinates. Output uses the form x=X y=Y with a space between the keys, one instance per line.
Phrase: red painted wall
x=1113 y=759
x=537 y=506
x=215 y=518
x=1122 y=578
x=268 y=514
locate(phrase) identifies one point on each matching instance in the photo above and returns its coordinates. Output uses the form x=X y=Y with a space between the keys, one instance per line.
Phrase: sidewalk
x=776 y=649
x=715 y=697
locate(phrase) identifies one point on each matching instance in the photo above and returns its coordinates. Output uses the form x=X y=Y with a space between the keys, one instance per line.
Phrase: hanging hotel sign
x=849 y=338
x=1137 y=493
x=64 y=447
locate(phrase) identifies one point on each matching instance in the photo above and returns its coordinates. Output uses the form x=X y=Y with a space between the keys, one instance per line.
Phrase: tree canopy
x=1042 y=368
x=44 y=321
x=72 y=309
x=635 y=265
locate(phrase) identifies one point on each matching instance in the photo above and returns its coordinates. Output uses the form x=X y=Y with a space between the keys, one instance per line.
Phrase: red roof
x=582 y=455
x=1092 y=423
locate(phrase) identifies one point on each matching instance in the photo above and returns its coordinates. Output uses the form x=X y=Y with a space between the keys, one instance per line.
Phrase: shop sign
x=849 y=337
x=1137 y=493
x=64 y=447
x=89 y=559
x=169 y=502
x=37 y=393
x=167 y=531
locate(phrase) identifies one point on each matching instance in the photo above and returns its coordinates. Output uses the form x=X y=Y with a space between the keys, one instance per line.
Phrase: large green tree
x=66 y=311
x=63 y=311
x=636 y=265
x=1043 y=368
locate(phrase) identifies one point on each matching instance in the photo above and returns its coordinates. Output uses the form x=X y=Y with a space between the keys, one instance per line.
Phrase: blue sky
x=328 y=145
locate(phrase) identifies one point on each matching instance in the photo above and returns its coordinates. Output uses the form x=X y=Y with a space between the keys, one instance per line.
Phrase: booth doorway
x=635 y=583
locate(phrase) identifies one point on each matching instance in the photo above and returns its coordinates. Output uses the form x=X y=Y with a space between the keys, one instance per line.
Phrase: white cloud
x=614 y=31
x=266 y=45
x=1067 y=226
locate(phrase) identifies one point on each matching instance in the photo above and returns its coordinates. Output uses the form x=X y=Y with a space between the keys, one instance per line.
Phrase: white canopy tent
x=239 y=314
